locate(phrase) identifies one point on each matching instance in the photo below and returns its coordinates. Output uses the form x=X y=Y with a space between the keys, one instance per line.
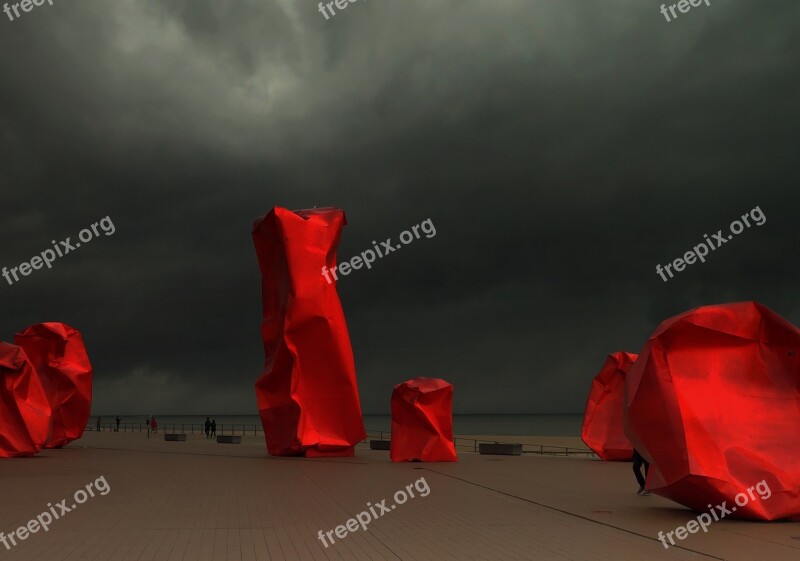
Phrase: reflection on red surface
x=24 y=407
x=58 y=354
x=713 y=402
x=603 y=421
x=422 y=421
x=307 y=393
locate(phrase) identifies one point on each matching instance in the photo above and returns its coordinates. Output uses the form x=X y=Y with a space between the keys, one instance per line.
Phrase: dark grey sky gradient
x=561 y=148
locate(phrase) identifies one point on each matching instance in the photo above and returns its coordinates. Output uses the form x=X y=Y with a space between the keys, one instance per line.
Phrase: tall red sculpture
x=307 y=393
x=713 y=402
x=603 y=421
x=58 y=354
x=24 y=407
x=422 y=421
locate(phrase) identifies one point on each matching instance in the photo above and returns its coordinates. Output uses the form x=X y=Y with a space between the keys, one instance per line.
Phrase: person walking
x=99 y=423
x=154 y=424
x=208 y=427
x=638 y=461
x=214 y=427
x=118 y=422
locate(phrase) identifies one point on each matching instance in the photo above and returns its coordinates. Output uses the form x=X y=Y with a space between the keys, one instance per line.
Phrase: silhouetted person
x=214 y=427
x=638 y=460
x=99 y=423
x=118 y=422
x=208 y=427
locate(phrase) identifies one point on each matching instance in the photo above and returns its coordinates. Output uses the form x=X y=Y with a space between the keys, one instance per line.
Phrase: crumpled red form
x=713 y=402
x=24 y=407
x=604 y=418
x=422 y=421
x=307 y=393
x=58 y=354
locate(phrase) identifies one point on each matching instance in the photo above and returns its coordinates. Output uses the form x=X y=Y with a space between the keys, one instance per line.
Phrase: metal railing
x=461 y=443
x=471 y=444
x=187 y=428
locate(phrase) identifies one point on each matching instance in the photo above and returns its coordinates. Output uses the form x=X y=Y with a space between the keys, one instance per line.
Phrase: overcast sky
x=561 y=148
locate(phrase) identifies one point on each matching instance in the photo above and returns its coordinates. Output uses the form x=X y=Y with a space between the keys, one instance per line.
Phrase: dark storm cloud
x=562 y=150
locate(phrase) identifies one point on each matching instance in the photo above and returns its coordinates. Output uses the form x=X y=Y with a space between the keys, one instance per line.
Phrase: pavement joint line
x=572 y=514
x=346 y=511
x=273 y=458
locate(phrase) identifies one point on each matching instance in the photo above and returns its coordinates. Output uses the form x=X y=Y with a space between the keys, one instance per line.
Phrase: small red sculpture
x=422 y=421
x=58 y=354
x=713 y=402
x=24 y=407
x=603 y=421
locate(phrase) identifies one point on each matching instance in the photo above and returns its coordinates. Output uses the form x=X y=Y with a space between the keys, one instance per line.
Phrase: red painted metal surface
x=307 y=393
x=713 y=402
x=603 y=420
x=422 y=421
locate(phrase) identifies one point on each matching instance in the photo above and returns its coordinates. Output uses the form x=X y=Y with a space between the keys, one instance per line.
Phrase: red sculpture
x=603 y=421
x=24 y=407
x=307 y=393
x=422 y=421
x=713 y=402
x=57 y=353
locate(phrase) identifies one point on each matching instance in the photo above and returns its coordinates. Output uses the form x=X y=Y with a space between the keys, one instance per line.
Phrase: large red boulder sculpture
x=604 y=419
x=24 y=407
x=58 y=354
x=713 y=402
x=307 y=393
x=422 y=421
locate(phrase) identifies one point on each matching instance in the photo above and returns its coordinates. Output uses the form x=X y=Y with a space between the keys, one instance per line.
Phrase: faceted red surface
x=422 y=421
x=603 y=421
x=58 y=354
x=307 y=393
x=24 y=407
x=713 y=402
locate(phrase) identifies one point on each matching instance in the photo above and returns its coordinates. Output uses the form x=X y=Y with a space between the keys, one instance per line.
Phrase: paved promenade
x=203 y=501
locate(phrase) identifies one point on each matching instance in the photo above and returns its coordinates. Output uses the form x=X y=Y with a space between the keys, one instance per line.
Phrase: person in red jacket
x=153 y=425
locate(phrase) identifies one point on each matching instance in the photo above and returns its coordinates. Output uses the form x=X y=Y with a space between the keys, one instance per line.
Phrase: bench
x=229 y=439
x=176 y=437
x=501 y=449
x=379 y=444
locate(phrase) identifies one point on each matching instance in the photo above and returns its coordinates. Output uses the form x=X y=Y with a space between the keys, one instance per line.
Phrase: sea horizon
x=524 y=424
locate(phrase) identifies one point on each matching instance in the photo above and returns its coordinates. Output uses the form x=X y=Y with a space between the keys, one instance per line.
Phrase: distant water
x=511 y=425
x=507 y=425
